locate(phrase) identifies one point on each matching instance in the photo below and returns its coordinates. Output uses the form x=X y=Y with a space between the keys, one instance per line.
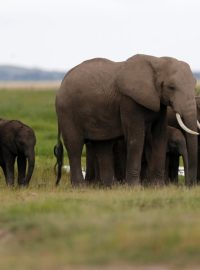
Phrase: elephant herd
x=135 y=117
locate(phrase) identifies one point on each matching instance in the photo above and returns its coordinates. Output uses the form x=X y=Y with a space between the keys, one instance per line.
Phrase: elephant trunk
x=184 y=154
x=192 y=145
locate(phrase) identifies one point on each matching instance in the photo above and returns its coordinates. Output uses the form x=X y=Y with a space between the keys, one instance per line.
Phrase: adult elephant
x=101 y=100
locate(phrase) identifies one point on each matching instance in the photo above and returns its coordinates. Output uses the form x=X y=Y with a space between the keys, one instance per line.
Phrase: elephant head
x=152 y=81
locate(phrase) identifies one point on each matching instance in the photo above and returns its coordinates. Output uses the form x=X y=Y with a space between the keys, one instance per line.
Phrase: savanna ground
x=43 y=227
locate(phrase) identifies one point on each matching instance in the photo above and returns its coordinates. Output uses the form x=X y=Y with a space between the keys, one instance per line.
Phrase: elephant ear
x=136 y=80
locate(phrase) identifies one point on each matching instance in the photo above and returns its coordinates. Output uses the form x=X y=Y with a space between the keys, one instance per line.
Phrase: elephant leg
x=145 y=157
x=174 y=165
x=183 y=152
x=9 y=168
x=185 y=162
x=167 y=161
x=74 y=145
x=158 y=137
x=134 y=157
x=156 y=166
x=133 y=124
x=74 y=154
x=119 y=153
x=3 y=165
x=21 y=164
x=170 y=167
x=143 y=174
x=198 y=164
x=91 y=166
x=104 y=152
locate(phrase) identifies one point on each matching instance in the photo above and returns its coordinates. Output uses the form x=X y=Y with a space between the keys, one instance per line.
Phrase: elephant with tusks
x=102 y=100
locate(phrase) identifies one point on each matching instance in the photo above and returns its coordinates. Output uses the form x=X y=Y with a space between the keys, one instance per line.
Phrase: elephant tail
x=58 y=153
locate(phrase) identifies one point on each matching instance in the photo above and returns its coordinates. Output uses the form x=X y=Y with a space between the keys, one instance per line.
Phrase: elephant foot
x=191 y=181
x=158 y=182
x=78 y=184
x=133 y=178
x=157 y=178
x=107 y=186
x=167 y=182
x=10 y=185
x=133 y=182
x=191 y=184
x=22 y=183
x=144 y=181
x=198 y=182
x=77 y=180
x=92 y=181
x=108 y=183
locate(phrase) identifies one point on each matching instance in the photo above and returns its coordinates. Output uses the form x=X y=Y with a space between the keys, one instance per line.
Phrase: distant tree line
x=14 y=73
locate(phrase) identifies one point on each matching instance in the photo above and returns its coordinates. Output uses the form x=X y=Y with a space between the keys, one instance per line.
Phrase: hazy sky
x=58 y=34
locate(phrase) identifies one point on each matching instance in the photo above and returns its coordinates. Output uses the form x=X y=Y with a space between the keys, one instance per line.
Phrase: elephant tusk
x=198 y=124
x=183 y=126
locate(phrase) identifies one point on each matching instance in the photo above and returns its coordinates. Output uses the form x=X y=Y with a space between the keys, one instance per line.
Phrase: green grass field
x=44 y=227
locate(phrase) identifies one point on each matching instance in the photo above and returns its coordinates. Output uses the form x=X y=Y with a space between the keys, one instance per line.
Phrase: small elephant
x=17 y=140
x=176 y=147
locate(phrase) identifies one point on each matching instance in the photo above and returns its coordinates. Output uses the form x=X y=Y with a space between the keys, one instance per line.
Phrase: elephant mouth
x=184 y=127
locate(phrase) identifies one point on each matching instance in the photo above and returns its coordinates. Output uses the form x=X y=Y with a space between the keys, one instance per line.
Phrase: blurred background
x=49 y=35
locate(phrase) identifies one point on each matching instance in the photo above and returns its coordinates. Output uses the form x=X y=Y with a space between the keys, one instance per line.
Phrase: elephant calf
x=17 y=140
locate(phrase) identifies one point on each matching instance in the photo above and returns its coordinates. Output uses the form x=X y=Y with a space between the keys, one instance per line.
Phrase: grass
x=44 y=227
x=35 y=108
x=97 y=227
